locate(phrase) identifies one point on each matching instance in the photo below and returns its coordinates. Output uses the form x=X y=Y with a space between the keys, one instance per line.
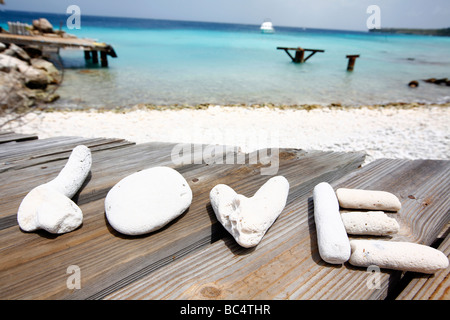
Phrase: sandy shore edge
x=398 y=130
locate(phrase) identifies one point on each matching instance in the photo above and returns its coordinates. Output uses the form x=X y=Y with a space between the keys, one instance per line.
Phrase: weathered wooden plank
x=33 y=265
x=9 y=136
x=287 y=265
x=423 y=188
x=32 y=163
x=57 y=42
x=28 y=154
x=105 y=172
x=301 y=49
x=430 y=287
x=11 y=150
x=105 y=165
x=245 y=179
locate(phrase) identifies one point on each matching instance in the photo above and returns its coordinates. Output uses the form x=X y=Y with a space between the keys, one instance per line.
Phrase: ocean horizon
x=167 y=62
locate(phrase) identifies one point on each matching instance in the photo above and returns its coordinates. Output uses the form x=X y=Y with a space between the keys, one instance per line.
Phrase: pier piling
x=94 y=54
x=351 y=61
x=299 y=55
x=103 y=59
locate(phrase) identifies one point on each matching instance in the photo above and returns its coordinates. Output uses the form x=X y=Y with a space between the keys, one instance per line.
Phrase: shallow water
x=174 y=62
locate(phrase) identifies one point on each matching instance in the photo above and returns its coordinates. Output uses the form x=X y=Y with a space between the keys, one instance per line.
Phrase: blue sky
x=327 y=14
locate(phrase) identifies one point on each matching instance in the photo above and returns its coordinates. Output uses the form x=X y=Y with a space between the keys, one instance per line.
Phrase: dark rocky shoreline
x=27 y=76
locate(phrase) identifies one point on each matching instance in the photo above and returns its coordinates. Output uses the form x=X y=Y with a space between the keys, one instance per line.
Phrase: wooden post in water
x=87 y=55
x=103 y=58
x=299 y=55
x=351 y=61
x=94 y=56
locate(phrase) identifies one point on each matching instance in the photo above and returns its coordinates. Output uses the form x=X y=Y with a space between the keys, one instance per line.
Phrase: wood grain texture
x=194 y=257
x=287 y=265
x=9 y=136
x=430 y=287
x=59 y=42
x=33 y=265
x=18 y=154
x=27 y=164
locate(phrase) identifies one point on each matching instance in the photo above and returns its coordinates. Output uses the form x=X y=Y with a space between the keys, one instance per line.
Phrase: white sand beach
x=400 y=132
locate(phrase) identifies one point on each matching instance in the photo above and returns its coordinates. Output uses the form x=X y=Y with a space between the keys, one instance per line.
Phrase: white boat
x=267 y=27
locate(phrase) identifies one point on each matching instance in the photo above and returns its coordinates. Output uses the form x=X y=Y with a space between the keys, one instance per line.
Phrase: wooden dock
x=194 y=257
x=299 y=56
x=90 y=47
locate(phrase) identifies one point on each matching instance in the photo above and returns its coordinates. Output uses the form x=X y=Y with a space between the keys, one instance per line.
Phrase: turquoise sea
x=179 y=62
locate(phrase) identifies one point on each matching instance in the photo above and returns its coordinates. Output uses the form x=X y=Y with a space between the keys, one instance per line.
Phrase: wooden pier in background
x=299 y=56
x=194 y=257
x=90 y=47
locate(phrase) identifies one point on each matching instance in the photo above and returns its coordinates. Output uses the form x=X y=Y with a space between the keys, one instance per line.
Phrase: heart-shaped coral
x=248 y=219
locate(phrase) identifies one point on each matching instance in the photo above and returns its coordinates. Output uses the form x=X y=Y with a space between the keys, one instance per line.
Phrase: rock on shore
x=25 y=81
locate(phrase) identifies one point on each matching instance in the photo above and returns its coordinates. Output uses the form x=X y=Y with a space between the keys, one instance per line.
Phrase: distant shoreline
x=445 y=32
x=203 y=106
